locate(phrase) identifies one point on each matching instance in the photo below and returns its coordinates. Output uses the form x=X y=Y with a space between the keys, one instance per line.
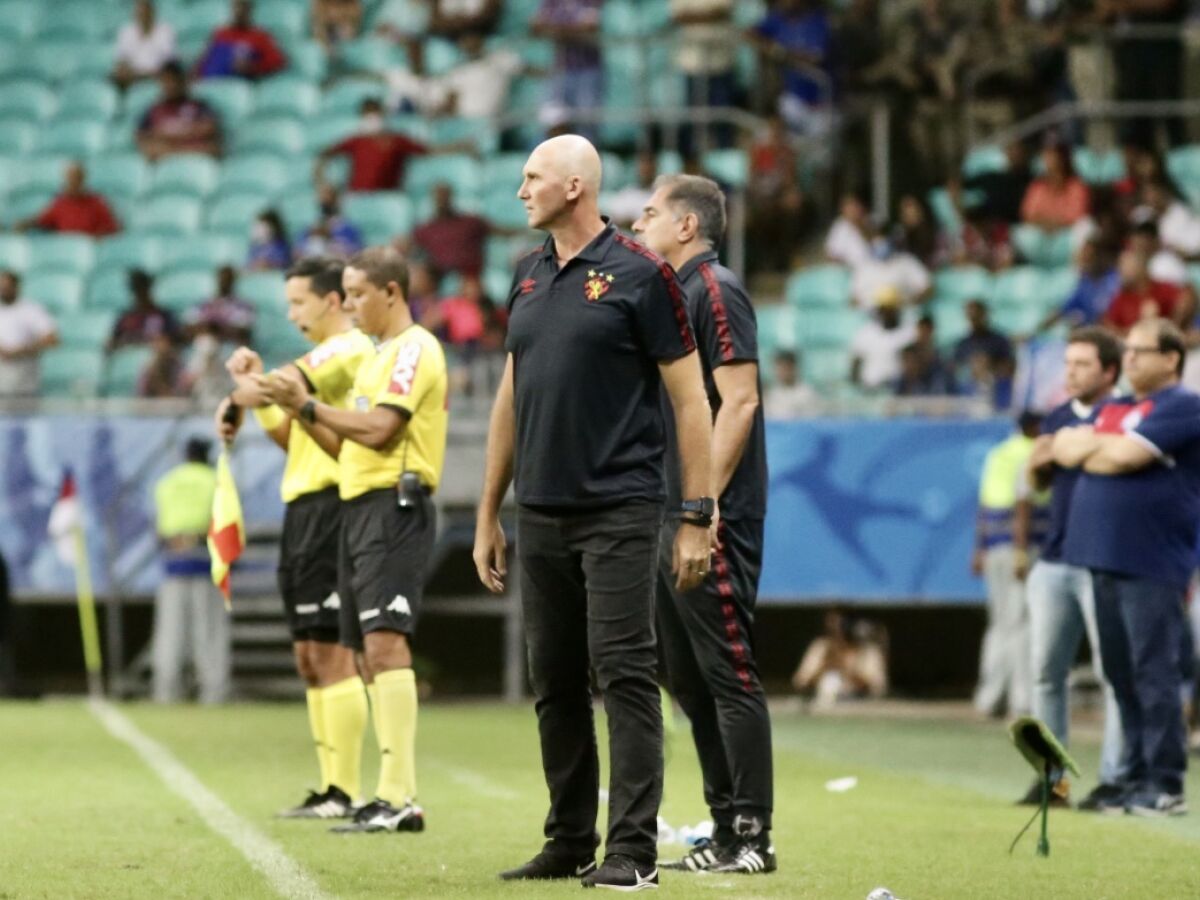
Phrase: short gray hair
x=700 y=196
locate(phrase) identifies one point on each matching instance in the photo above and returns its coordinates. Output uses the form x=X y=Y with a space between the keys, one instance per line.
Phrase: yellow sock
x=345 y=706
x=397 y=692
x=373 y=696
x=316 y=723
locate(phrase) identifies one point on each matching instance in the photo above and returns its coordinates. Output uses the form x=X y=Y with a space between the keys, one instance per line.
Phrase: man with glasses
x=1133 y=522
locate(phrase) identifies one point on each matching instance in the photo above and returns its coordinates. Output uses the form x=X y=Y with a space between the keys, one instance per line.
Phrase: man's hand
x=284 y=387
x=244 y=361
x=489 y=554
x=227 y=424
x=977 y=563
x=1020 y=563
x=691 y=555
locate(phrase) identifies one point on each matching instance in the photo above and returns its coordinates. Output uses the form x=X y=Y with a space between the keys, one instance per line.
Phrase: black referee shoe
x=333 y=803
x=754 y=854
x=548 y=865
x=706 y=854
x=379 y=815
x=620 y=873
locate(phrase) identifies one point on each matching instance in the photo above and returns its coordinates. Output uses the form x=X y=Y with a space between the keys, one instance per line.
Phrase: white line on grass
x=471 y=779
x=283 y=873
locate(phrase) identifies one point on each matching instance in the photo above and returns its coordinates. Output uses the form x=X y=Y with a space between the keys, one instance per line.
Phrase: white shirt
x=705 y=48
x=1179 y=229
x=847 y=245
x=790 y=401
x=481 y=85
x=901 y=271
x=1167 y=266
x=21 y=323
x=879 y=349
x=625 y=206
x=145 y=53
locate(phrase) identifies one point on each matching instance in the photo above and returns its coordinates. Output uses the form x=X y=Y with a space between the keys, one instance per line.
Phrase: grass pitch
x=931 y=815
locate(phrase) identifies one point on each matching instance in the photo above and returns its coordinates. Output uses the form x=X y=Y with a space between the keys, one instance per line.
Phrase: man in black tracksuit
x=705 y=633
x=597 y=329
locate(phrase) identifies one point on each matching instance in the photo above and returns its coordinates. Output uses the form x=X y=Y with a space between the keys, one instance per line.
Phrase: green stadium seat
x=826 y=365
x=25 y=202
x=278 y=340
x=71 y=372
x=41 y=172
x=345 y=97
x=19 y=19
x=264 y=290
x=729 y=166
x=381 y=215
x=232 y=98
x=308 y=58
x=502 y=208
x=982 y=160
x=1057 y=285
x=77 y=138
x=950 y=320
x=90 y=98
x=1098 y=168
x=441 y=56
x=515 y=16
x=1042 y=248
x=1017 y=319
x=59 y=292
x=1018 y=286
x=283 y=18
x=670 y=162
x=123 y=370
x=139 y=97
x=14 y=252
x=776 y=329
x=235 y=213
x=299 y=210
x=124 y=174
x=108 y=289
x=454 y=129
x=281 y=136
x=207 y=251
x=200 y=15
x=194 y=174
x=962 y=283
x=27 y=99
x=502 y=252
x=286 y=95
x=62 y=252
x=825 y=285
x=257 y=173
x=184 y=289
x=56 y=60
x=84 y=21
x=828 y=327
x=17 y=136
x=620 y=19
x=1183 y=165
x=458 y=170
x=505 y=169
x=496 y=284
x=371 y=54
x=87 y=328
x=168 y=214
x=130 y=251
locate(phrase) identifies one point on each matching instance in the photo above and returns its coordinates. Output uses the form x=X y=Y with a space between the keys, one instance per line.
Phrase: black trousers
x=587 y=594
x=707 y=643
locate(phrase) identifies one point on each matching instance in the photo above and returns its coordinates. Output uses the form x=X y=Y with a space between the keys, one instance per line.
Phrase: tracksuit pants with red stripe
x=707 y=645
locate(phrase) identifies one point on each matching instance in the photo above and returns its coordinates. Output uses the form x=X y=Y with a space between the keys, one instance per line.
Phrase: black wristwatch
x=698 y=512
x=308 y=412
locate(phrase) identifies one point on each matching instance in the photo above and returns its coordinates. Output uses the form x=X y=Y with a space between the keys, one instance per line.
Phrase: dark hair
x=172 y=68
x=1064 y=157
x=1170 y=340
x=370 y=103
x=196 y=450
x=324 y=273
x=1149 y=229
x=1108 y=347
x=787 y=356
x=928 y=320
x=382 y=265
x=16 y=278
x=140 y=280
x=701 y=196
x=275 y=221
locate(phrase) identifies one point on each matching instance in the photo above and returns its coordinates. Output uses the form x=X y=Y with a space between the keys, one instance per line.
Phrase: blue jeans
x=1141 y=625
x=1061 y=611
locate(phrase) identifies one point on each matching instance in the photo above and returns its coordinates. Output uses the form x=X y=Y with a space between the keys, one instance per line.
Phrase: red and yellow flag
x=226 y=531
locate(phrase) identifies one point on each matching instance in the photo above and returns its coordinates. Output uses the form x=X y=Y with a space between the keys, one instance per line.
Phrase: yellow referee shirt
x=330 y=368
x=408 y=372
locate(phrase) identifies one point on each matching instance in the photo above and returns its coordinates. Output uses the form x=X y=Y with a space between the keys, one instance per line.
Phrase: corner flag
x=65 y=529
x=226 y=531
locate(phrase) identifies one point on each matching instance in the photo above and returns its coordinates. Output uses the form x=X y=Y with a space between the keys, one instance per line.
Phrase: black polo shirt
x=586 y=341
x=726 y=332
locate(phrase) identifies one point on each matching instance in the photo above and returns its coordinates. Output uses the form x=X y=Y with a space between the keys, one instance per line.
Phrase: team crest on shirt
x=596 y=286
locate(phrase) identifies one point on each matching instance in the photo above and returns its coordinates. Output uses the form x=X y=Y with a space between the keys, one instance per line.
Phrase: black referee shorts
x=382 y=566
x=308 y=565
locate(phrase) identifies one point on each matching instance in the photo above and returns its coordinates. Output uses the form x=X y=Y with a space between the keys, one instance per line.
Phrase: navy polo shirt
x=1062 y=488
x=1145 y=523
x=586 y=341
x=726 y=332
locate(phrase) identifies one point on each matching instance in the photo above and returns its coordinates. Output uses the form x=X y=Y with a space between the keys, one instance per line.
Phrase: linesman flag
x=226 y=531
x=66 y=531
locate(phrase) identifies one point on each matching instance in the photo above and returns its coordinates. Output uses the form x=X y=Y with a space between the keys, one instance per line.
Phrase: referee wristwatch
x=308 y=412
x=698 y=512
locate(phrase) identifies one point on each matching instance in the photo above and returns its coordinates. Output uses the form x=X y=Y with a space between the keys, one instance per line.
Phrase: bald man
x=597 y=327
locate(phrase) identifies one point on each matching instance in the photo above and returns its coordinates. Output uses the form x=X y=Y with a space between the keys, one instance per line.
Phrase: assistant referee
x=597 y=327
x=705 y=633
x=392 y=447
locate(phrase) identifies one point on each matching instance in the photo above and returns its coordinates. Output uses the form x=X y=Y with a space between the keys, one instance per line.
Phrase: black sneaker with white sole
x=379 y=815
x=754 y=853
x=620 y=873
x=1156 y=804
x=333 y=803
x=549 y=865
x=706 y=854
x=1105 y=798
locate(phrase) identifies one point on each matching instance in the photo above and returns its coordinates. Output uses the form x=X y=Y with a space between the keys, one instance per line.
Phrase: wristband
x=308 y=412
x=270 y=417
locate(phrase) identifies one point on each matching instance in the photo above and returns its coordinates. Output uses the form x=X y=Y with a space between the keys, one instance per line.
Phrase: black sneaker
x=1105 y=798
x=1156 y=804
x=549 y=865
x=706 y=854
x=333 y=803
x=620 y=873
x=379 y=815
x=754 y=853
x=1060 y=794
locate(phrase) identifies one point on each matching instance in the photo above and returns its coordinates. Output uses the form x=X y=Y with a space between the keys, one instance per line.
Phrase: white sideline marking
x=476 y=782
x=283 y=873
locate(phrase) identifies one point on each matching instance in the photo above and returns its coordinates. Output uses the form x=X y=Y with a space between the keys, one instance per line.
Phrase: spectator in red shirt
x=451 y=241
x=1140 y=297
x=377 y=156
x=240 y=50
x=1059 y=198
x=76 y=210
x=178 y=123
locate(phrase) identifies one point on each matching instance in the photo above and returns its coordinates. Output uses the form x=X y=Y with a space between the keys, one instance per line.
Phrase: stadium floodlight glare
x=1048 y=757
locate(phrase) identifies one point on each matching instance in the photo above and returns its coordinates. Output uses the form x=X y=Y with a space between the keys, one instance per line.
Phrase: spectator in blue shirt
x=797 y=35
x=983 y=360
x=332 y=234
x=1098 y=283
x=1134 y=522
x=269 y=247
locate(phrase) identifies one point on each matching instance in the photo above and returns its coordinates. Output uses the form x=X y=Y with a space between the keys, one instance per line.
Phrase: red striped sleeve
x=717 y=304
x=676 y=295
